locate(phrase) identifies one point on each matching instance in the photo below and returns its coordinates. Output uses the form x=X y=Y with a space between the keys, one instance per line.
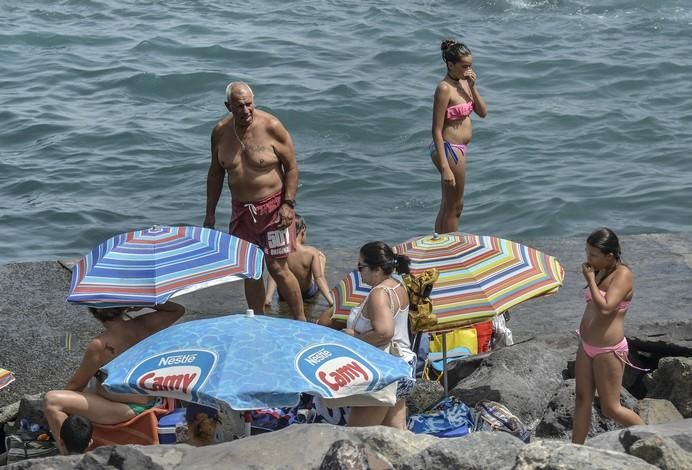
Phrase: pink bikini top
x=460 y=111
x=623 y=305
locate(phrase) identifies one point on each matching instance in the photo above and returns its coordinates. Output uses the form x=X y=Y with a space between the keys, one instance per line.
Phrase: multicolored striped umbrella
x=479 y=277
x=350 y=292
x=147 y=267
x=6 y=378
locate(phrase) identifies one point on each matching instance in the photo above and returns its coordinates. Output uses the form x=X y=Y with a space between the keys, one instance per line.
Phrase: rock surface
x=557 y=420
x=425 y=395
x=311 y=447
x=558 y=455
x=620 y=441
x=523 y=377
x=672 y=381
x=664 y=338
x=476 y=451
x=657 y=411
x=45 y=338
x=347 y=455
x=662 y=452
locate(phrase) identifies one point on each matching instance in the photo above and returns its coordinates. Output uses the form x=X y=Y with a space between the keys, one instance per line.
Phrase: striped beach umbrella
x=479 y=276
x=147 y=267
x=350 y=292
x=6 y=378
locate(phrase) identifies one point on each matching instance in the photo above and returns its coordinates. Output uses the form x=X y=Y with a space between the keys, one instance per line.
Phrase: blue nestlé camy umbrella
x=251 y=362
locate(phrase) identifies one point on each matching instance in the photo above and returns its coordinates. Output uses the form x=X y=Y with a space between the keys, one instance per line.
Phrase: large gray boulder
x=103 y=458
x=557 y=420
x=523 y=377
x=8 y=413
x=300 y=446
x=658 y=411
x=663 y=452
x=347 y=455
x=662 y=338
x=620 y=441
x=559 y=455
x=672 y=381
x=476 y=451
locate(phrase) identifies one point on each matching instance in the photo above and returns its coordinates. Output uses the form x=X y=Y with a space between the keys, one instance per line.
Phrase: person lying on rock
x=96 y=404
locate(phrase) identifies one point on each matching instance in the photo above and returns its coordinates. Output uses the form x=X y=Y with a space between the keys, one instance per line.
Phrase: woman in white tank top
x=382 y=320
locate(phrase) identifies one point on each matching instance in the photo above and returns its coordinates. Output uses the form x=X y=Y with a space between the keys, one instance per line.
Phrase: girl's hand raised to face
x=470 y=77
x=588 y=271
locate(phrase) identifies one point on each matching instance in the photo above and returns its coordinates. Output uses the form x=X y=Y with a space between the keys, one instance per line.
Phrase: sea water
x=107 y=108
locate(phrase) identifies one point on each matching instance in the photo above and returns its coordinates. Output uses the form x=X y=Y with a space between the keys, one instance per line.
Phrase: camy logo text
x=335 y=370
x=170 y=379
x=344 y=372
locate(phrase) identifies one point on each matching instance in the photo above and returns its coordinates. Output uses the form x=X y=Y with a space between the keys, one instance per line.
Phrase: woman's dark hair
x=453 y=51
x=108 y=313
x=606 y=241
x=380 y=255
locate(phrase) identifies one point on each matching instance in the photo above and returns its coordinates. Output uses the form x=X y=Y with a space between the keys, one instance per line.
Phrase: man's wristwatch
x=290 y=203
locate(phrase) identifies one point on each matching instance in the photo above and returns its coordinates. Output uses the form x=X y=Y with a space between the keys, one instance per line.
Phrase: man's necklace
x=242 y=145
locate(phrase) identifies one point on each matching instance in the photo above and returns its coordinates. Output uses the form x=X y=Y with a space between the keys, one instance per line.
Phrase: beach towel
x=142 y=429
x=449 y=418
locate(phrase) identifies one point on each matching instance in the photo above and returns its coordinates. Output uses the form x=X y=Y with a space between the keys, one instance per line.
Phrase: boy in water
x=307 y=263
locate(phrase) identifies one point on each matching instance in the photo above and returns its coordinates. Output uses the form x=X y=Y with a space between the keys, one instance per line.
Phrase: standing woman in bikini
x=602 y=354
x=456 y=97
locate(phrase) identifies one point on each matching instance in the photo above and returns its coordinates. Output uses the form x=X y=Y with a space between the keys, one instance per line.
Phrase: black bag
x=24 y=445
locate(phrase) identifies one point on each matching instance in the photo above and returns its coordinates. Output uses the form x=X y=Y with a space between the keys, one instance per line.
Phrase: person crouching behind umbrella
x=382 y=320
x=201 y=424
x=100 y=407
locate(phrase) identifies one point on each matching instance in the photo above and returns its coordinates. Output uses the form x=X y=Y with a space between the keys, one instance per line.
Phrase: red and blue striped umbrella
x=147 y=267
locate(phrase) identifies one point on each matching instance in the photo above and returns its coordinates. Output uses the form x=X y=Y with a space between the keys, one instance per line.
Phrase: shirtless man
x=307 y=263
x=257 y=153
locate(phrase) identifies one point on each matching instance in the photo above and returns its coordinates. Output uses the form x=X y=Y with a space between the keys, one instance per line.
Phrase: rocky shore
x=45 y=337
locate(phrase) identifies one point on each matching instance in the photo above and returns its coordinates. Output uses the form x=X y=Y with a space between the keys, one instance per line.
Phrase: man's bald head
x=237 y=88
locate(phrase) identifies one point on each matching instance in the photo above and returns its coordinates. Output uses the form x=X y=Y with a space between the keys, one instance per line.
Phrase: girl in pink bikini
x=603 y=351
x=456 y=97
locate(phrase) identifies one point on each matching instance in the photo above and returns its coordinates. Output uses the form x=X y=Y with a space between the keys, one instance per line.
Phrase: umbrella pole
x=247 y=417
x=444 y=364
